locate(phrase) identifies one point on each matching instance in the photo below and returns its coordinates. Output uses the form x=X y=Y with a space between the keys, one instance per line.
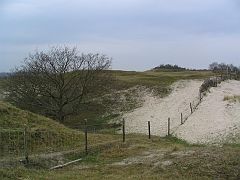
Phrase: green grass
x=43 y=134
x=155 y=78
x=12 y=117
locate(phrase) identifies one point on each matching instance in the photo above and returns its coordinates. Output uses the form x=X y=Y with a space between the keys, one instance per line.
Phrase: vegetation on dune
x=169 y=67
x=12 y=117
x=154 y=79
x=228 y=71
x=124 y=93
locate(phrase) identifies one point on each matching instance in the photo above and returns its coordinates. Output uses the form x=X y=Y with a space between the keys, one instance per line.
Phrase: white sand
x=214 y=120
x=158 y=110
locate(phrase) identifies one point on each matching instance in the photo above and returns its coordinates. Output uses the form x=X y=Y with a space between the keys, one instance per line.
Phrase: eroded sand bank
x=214 y=120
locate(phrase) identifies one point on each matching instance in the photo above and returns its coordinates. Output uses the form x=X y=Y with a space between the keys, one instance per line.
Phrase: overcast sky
x=137 y=34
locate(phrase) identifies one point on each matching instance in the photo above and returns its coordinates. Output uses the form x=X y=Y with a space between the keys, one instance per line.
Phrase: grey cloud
x=165 y=29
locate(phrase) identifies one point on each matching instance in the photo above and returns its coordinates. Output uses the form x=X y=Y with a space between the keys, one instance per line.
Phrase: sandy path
x=158 y=110
x=215 y=120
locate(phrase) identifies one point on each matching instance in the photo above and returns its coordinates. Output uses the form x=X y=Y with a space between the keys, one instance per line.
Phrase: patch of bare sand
x=155 y=158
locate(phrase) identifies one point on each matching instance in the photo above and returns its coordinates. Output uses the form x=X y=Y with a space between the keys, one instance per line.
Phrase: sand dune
x=214 y=120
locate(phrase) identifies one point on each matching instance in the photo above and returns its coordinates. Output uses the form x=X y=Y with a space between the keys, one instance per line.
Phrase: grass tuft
x=234 y=98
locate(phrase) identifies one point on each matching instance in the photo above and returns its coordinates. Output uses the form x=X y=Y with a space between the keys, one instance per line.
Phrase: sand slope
x=158 y=110
x=213 y=121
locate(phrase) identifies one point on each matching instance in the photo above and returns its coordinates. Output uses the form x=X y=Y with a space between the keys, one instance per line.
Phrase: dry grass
x=235 y=98
x=140 y=158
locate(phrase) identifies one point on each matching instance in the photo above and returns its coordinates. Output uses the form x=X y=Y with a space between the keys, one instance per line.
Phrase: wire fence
x=12 y=142
x=25 y=144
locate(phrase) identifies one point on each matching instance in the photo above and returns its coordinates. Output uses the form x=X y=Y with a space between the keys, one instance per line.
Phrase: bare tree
x=54 y=83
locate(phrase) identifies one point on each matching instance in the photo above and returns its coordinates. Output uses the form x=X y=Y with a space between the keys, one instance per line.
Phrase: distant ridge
x=4 y=74
x=169 y=67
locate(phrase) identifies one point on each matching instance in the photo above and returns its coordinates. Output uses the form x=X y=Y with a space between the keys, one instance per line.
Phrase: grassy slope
x=165 y=158
x=157 y=78
x=44 y=134
x=12 y=117
x=158 y=81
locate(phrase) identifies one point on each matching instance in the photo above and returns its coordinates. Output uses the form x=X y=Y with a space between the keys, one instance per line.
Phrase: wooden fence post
x=149 y=130
x=168 y=126
x=26 y=145
x=181 y=118
x=123 y=129
x=86 y=137
x=191 y=108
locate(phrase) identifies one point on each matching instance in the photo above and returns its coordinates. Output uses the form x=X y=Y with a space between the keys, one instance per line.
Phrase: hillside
x=12 y=117
x=43 y=135
x=125 y=94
